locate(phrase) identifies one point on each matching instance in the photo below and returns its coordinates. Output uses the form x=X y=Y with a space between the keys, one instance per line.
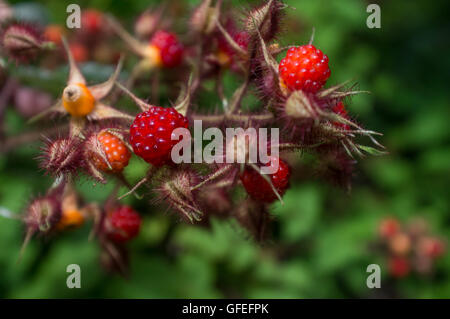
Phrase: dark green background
x=319 y=247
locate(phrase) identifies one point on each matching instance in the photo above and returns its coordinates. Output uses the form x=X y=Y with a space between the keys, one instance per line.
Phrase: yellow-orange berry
x=116 y=152
x=78 y=100
x=400 y=244
x=70 y=219
x=54 y=33
x=153 y=57
x=223 y=58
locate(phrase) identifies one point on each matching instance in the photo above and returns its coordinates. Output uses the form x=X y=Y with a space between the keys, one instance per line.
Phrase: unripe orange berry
x=54 y=33
x=153 y=57
x=116 y=152
x=223 y=58
x=78 y=100
x=70 y=219
x=400 y=244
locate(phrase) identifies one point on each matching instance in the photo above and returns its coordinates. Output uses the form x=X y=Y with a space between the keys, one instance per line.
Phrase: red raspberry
x=91 y=21
x=399 y=267
x=304 y=68
x=116 y=151
x=151 y=132
x=339 y=109
x=388 y=227
x=125 y=224
x=171 y=50
x=437 y=249
x=259 y=189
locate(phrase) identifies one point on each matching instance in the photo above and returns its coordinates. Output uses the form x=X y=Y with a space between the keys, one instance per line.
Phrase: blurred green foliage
x=319 y=246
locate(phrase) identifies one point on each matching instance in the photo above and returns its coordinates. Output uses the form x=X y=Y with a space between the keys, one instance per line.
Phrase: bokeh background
x=320 y=240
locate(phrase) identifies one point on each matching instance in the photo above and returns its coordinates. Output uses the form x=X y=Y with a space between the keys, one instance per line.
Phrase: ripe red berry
x=151 y=134
x=115 y=150
x=79 y=52
x=91 y=21
x=437 y=249
x=399 y=267
x=304 y=68
x=259 y=189
x=388 y=227
x=124 y=223
x=171 y=50
x=431 y=247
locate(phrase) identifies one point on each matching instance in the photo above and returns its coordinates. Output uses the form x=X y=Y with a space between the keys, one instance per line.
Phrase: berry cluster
x=409 y=247
x=99 y=139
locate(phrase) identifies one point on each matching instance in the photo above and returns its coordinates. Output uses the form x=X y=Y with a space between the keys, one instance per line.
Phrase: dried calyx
x=22 y=41
x=61 y=157
x=177 y=191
